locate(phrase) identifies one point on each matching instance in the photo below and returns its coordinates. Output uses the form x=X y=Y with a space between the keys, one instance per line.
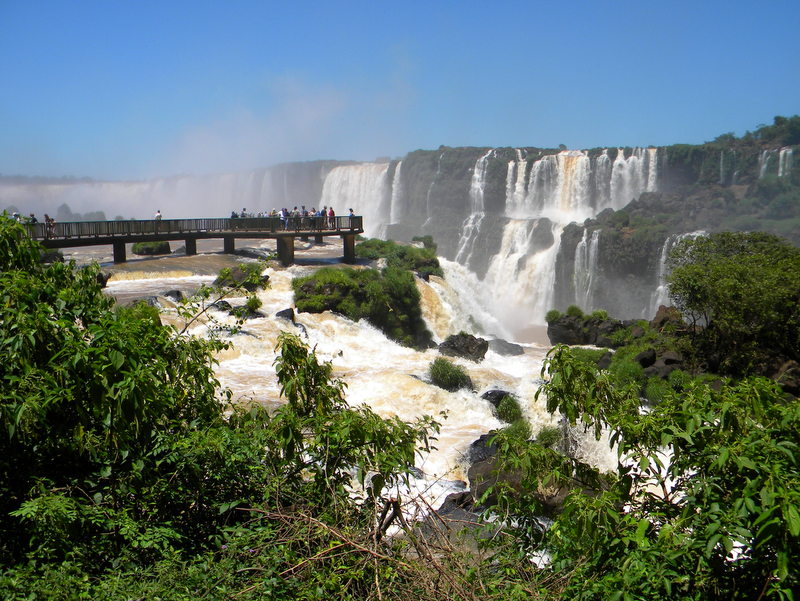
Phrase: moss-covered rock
x=151 y=248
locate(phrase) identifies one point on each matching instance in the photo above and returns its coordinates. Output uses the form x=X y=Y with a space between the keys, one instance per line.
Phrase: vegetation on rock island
x=388 y=299
x=423 y=260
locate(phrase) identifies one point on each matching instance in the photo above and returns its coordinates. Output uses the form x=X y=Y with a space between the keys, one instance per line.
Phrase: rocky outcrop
x=464 y=345
x=572 y=329
x=494 y=396
x=286 y=314
x=238 y=277
x=503 y=347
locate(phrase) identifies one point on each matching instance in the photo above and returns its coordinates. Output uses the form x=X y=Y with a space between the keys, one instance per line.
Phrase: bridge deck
x=119 y=233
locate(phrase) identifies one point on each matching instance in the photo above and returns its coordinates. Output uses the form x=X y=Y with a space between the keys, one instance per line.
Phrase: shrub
x=625 y=370
x=552 y=315
x=656 y=389
x=520 y=430
x=679 y=380
x=549 y=436
x=508 y=409
x=446 y=374
x=600 y=314
x=151 y=248
x=574 y=311
x=588 y=355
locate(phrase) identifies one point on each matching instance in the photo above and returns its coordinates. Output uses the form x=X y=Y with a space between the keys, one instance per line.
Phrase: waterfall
x=472 y=224
x=522 y=281
x=660 y=295
x=395 y=210
x=428 y=211
x=516 y=186
x=763 y=163
x=585 y=268
x=602 y=181
x=362 y=187
x=632 y=175
x=785 y=161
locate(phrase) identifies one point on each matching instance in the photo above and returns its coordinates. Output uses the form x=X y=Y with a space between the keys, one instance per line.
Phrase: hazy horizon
x=118 y=92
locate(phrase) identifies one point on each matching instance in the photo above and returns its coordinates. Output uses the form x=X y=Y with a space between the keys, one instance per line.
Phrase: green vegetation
x=744 y=289
x=151 y=248
x=446 y=374
x=509 y=410
x=574 y=311
x=389 y=300
x=549 y=436
x=423 y=261
x=552 y=315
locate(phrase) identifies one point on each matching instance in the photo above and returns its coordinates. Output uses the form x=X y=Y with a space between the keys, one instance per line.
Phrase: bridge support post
x=191 y=246
x=119 y=252
x=286 y=250
x=304 y=238
x=229 y=244
x=349 y=243
x=318 y=239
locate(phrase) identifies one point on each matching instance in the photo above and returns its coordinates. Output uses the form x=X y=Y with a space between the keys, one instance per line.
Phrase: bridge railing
x=268 y=225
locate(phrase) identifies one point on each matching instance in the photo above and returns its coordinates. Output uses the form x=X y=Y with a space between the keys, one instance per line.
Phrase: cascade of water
x=472 y=224
x=521 y=280
x=632 y=175
x=585 y=268
x=395 y=211
x=660 y=295
x=516 y=190
x=428 y=211
x=362 y=187
x=785 y=161
x=763 y=162
x=602 y=181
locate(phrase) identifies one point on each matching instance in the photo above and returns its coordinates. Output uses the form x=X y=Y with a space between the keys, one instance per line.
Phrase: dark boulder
x=286 y=314
x=646 y=358
x=667 y=316
x=481 y=449
x=604 y=362
x=505 y=348
x=495 y=396
x=464 y=345
x=788 y=376
x=102 y=278
x=573 y=329
x=671 y=358
x=238 y=276
x=174 y=295
x=222 y=305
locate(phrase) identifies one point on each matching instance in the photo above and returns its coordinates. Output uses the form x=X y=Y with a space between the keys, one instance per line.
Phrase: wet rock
x=173 y=295
x=222 y=305
x=667 y=316
x=464 y=345
x=788 y=376
x=495 y=396
x=671 y=358
x=573 y=329
x=286 y=314
x=481 y=449
x=503 y=347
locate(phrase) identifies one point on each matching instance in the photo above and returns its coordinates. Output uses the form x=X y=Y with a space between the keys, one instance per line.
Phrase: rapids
x=389 y=378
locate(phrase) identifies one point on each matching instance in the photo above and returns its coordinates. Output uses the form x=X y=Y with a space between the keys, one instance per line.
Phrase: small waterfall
x=660 y=295
x=516 y=186
x=785 y=161
x=428 y=212
x=395 y=210
x=585 y=269
x=364 y=188
x=472 y=224
x=602 y=181
x=763 y=162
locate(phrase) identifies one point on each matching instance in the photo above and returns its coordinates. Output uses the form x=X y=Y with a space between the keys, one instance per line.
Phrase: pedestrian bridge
x=120 y=233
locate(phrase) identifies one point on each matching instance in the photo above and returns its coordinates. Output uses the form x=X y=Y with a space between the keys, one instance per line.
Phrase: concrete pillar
x=191 y=246
x=229 y=244
x=119 y=252
x=349 y=243
x=304 y=238
x=286 y=250
x=318 y=239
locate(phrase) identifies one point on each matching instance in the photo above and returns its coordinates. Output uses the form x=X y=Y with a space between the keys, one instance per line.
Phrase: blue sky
x=128 y=90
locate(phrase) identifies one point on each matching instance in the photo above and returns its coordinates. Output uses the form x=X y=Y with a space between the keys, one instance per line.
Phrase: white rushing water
x=365 y=189
x=660 y=295
x=585 y=268
x=380 y=373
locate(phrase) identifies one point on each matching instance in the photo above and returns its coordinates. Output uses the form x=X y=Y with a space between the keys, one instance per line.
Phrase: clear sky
x=123 y=89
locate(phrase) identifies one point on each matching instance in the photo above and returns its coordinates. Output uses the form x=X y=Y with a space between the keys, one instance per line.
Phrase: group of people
x=49 y=222
x=289 y=217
